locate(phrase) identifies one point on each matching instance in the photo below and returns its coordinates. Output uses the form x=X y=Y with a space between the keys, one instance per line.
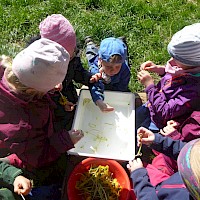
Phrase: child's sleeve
x=142 y=186
x=94 y=68
x=167 y=146
x=15 y=161
x=183 y=100
x=97 y=91
x=8 y=173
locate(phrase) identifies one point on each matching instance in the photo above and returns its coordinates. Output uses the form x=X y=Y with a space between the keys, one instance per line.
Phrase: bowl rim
x=86 y=163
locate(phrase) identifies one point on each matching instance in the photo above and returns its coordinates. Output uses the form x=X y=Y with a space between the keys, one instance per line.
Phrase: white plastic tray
x=106 y=135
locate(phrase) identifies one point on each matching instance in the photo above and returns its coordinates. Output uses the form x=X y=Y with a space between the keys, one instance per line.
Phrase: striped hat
x=186 y=171
x=185 y=45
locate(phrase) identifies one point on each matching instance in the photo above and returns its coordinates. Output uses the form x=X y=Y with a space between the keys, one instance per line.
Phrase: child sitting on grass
x=27 y=136
x=110 y=61
x=177 y=94
x=57 y=28
x=183 y=184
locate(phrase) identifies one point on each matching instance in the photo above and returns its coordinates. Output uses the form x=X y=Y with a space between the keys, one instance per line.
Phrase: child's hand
x=69 y=106
x=147 y=136
x=134 y=164
x=145 y=78
x=103 y=106
x=151 y=67
x=75 y=135
x=22 y=185
x=171 y=127
x=95 y=78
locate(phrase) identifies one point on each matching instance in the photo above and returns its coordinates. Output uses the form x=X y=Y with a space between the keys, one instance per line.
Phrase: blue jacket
x=119 y=82
x=173 y=188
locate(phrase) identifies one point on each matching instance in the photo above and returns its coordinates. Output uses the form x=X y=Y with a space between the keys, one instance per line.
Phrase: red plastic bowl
x=114 y=167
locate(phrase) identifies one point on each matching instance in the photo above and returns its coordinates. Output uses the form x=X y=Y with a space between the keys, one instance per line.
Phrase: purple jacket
x=26 y=129
x=173 y=98
x=189 y=129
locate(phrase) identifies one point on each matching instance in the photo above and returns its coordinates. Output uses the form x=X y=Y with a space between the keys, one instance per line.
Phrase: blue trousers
x=142 y=118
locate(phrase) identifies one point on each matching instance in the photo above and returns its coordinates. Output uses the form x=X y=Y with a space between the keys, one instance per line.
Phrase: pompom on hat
x=112 y=46
x=185 y=45
x=42 y=65
x=57 y=28
x=185 y=170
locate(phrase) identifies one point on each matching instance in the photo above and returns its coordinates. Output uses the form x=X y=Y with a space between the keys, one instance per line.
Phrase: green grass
x=147 y=24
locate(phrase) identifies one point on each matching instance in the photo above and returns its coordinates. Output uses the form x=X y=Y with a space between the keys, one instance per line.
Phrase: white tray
x=106 y=135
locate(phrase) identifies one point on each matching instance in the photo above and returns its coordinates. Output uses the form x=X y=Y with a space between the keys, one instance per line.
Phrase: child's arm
x=187 y=131
x=22 y=185
x=97 y=93
x=104 y=107
x=46 y=149
x=172 y=99
x=151 y=67
x=94 y=69
x=13 y=175
x=159 y=143
x=140 y=178
x=145 y=78
x=170 y=128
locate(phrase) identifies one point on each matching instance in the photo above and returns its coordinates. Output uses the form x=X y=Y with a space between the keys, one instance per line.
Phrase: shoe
x=123 y=38
x=88 y=40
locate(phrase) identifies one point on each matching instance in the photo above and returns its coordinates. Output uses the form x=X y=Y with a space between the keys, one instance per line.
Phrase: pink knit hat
x=42 y=65
x=57 y=28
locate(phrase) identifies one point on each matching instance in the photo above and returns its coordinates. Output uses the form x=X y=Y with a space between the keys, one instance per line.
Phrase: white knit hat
x=42 y=65
x=185 y=45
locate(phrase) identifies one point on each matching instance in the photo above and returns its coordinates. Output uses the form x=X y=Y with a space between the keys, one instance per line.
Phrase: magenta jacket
x=189 y=129
x=26 y=130
x=174 y=97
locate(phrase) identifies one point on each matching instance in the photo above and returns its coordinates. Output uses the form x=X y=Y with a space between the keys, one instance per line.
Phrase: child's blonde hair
x=195 y=161
x=5 y=61
x=115 y=59
x=18 y=87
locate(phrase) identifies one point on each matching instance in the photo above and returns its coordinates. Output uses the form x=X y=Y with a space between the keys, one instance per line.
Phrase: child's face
x=180 y=65
x=110 y=68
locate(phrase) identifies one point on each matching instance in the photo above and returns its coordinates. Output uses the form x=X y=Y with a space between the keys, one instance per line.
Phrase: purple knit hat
x=57 y=28
x=184 y=168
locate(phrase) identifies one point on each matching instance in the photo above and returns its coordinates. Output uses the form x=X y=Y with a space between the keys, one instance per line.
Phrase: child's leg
x=50 y=192
x=142 y=117
x=91 y=48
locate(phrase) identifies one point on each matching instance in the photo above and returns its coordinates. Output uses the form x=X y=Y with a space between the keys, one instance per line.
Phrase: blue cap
x=112 y=46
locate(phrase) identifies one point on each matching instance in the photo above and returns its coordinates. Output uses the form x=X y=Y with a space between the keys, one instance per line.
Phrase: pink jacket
x=26 y=130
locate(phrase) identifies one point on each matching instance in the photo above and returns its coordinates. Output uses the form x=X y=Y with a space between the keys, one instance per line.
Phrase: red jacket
x=26 y=129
